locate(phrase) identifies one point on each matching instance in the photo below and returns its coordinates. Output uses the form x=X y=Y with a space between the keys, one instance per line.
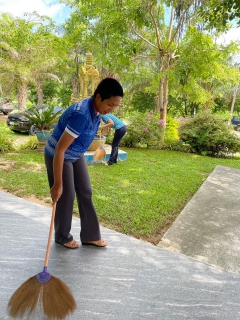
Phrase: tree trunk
x=233 y=104
x=165 y=62
x=165 y=100
x=156 y=99
x=22 y=96
x=75 y=86
x=40 y=91
x=160 y=97
x=163 y=96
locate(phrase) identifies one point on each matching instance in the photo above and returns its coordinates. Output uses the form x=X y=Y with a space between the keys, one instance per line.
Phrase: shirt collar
x=92 y=110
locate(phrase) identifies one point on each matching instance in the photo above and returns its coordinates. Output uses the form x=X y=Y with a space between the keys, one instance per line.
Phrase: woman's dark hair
x=108 y=88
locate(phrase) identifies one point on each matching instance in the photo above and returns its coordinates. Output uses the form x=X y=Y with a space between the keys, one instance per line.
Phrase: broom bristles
x=54 y=296
x=57 y=300
x=99 y=154
x=24 y=300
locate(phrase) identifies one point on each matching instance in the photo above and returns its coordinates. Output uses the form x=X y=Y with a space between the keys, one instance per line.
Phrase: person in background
x=66 y=166
x=112 y=121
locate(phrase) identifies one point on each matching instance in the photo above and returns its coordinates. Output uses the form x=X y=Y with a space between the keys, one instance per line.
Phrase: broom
x=53 y=295
x=100 y=153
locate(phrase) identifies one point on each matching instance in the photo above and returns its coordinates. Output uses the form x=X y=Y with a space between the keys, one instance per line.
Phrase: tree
x=74 y=37
x=143 y=101
x=136 y=38
x=218 y=13
x=28 y=51
x=50 y=93
x=39 y=77
x=204 y=71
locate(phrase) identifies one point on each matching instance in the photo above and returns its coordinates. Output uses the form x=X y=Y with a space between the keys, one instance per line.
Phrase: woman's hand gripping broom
x=100 y=153
x=54 y=296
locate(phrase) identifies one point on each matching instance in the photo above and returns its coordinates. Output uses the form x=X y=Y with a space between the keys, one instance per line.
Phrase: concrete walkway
x=208 y=228
x=128 y=280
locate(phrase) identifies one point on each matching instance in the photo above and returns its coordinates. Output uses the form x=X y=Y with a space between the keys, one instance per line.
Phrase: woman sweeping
x=66 y=166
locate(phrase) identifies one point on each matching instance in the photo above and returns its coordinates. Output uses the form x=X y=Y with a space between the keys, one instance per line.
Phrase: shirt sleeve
x=76 y=124
x=105 y=119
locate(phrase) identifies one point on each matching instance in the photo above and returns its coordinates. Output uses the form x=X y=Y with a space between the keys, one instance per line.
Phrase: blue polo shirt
x=117 y=122
x=81 y=122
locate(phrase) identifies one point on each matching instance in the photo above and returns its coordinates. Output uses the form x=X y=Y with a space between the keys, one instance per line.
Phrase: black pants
x=75 y=180
x=118 y=135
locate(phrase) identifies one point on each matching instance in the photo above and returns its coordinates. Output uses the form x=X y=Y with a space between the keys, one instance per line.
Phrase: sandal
x=98 y=243
x=70 y=245
x=108 y=164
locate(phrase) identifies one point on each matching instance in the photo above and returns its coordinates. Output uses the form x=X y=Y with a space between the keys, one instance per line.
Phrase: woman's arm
x=62 y=145
x=108 y=125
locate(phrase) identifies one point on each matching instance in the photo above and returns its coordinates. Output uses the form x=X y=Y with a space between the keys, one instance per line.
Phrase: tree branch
x=144 y=57
x=179 y=24
x=150 y=6
x=171 y=24
x=144 y=39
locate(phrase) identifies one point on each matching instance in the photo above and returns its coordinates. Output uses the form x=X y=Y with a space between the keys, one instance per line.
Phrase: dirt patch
x=155 y=239
x=7 y=164
x=32 y=166
x=43 y=202
x=3 y=117
x=21 y=140
x=46 y=202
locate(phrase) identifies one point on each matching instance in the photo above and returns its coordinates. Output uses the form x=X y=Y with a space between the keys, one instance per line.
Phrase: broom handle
x=50 y=234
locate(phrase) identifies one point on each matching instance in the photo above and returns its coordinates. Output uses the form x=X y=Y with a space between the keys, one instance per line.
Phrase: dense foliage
x=6 y=144
x=6 y=141
x=159 y=50
x=144 y=130
x=207 y=134
x=218 y=13
x=171 y=133
x=43 y=119
x=143 y=101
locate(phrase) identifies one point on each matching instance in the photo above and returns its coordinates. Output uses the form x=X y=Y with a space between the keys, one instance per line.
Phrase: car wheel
x=31 y=130
x=4 y=112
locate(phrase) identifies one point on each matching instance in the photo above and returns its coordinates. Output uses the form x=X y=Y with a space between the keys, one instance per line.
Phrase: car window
x=57 y=109
x=39 y=109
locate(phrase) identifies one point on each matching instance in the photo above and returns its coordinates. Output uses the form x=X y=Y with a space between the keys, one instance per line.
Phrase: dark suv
x=17 y=121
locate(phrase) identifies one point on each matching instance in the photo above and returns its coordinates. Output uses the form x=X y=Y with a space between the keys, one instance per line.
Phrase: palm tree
x=27 y=53
x=39 y=78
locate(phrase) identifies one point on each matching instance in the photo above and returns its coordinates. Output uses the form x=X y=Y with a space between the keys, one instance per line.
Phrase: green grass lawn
x=140 y=197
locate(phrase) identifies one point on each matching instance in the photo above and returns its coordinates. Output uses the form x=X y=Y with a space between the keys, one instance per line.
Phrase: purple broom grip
x=43 y=276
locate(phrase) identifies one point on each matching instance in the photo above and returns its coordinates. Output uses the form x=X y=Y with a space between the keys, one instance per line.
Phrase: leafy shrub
x=32 y=143
x=144 y=130
x=171 y=132
x=143 y=101
x=6 y=143
x=207 y=134
x=43 y=119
